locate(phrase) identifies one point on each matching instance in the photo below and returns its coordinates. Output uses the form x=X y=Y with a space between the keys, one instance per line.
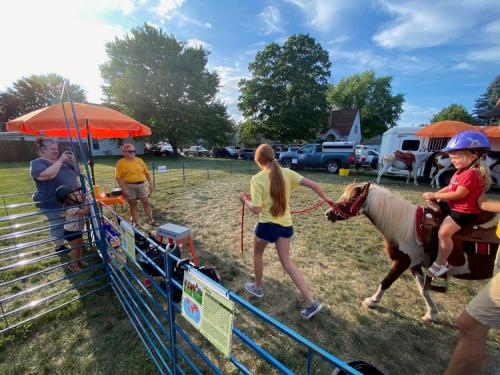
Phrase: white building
x=344 y=125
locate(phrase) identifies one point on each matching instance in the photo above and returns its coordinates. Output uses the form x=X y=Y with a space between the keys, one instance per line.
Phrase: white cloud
x=165 y=8
x=463 y=66
x=415 y=115
x=368 y=59
x=491 y=54
x=55 y=38
x=198 y=43
x=271 y=18
x=229 y=92
x=427 y=23
x=323 y=14
x=182 y=17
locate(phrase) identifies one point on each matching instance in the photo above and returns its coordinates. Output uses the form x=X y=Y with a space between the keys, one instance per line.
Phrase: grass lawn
x=342 y=263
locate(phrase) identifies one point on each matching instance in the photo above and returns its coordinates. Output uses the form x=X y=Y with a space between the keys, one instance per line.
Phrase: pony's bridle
x=343 y=210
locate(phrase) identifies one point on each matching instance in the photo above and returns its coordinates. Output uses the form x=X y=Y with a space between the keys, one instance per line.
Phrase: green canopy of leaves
x=379 y=108
x=455 y=112
x=487 y=100
x=34 y=92
x=165 y=84
x=285 y=97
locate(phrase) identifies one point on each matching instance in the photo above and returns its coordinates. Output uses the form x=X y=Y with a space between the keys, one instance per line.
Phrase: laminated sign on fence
x=128 y=238
x=208 y=309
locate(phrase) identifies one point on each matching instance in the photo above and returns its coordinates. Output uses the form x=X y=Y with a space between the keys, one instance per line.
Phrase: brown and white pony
x=390 y=160
x=395 y=218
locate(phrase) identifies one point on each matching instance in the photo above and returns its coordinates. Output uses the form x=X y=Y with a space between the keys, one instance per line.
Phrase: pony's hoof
x=369 y=303
x=428 y=318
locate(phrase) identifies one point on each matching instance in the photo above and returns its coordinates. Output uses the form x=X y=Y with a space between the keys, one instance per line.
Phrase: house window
x=410 y=145
x=95 y=144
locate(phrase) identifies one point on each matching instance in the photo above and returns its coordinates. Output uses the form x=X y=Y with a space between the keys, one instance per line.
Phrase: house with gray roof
x=343 y=126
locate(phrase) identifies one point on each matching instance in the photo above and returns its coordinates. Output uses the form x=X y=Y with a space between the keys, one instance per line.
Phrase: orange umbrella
x=492 y=131
x=443 y=129
x=101 y=122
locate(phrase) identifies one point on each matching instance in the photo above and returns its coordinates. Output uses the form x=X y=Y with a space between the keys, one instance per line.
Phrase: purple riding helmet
x=468 y=140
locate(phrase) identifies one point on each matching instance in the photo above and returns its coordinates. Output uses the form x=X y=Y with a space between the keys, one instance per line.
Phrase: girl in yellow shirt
x=270 y=192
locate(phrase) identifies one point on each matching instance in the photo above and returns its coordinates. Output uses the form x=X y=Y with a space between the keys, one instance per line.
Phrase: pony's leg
x=432 y=309
x=415 y=172
x=383 y=169
x=408 y=177
x=398 y=266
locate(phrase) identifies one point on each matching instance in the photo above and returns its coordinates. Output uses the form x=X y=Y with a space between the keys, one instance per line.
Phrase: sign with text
x=208 y=309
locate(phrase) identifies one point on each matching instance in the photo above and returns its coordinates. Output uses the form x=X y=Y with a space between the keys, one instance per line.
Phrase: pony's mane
x=391 y=214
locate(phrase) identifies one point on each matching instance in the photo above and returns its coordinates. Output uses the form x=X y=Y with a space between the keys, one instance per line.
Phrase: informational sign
x=208 y=309
x=128 y=238
x=162 y=168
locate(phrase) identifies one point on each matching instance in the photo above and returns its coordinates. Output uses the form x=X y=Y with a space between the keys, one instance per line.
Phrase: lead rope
x=245 y=197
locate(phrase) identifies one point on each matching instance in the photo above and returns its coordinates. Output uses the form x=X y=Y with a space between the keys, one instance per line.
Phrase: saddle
x=478 y=240
x=406 y=157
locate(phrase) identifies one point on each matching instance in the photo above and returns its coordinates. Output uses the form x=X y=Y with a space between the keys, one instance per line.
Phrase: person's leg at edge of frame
x=283 y=248
x=258 y=260
x=468 y=355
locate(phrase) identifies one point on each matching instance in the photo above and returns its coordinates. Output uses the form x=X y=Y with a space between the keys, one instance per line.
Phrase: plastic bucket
x=343 y=172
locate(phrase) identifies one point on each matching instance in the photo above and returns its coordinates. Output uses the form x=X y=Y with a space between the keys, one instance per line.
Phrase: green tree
x=285 y=97
x=247 y=133
x=35 y=92
x=487 y=100
x=164 y=83
x=455 y=112
x=379 y=108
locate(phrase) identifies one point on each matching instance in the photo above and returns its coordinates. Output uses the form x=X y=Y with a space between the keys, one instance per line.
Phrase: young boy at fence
x=471 y=179
x=270 y=193
x=76 y=207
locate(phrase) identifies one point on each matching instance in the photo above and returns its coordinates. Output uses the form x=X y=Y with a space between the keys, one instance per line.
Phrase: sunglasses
x=131 y=151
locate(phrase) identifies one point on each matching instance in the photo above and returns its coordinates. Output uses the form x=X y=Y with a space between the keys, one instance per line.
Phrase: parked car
x=361 y=153
x=373 y=157
x=196 y=151
x=329 y=155
x=223 y=152
x=294 y=147
x=158 y=149
x=247 y=153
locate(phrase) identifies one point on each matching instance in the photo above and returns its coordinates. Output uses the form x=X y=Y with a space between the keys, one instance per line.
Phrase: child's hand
x=429 y=196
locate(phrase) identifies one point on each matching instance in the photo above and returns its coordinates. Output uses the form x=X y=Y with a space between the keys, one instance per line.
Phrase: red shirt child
x=472 y=180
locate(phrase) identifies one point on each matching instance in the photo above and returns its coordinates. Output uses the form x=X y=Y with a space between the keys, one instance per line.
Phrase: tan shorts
x=485 y=307
x=135 y=191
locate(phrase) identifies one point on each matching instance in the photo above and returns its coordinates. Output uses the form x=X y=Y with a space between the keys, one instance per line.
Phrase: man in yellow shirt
x=131 y=174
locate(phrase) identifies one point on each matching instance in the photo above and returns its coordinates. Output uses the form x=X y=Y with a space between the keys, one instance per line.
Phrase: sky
x=438 y=52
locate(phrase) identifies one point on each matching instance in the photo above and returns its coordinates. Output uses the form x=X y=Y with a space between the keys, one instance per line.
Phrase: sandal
x=74 y=268
x=83 y=263
x=437 y=269
x=153 y=223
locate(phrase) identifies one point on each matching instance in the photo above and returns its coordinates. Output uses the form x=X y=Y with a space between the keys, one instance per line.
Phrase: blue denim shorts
x=270 y=232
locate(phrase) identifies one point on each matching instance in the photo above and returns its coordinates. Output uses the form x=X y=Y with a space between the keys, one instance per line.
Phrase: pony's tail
x=484 y=171
x=277 y=189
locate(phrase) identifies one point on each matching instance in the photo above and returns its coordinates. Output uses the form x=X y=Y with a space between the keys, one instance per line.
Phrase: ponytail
x=264 y=156
x=484 y=171
x=277 y=189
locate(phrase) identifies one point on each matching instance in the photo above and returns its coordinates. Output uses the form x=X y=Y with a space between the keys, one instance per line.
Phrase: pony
x=393 y=160
x=396 y=219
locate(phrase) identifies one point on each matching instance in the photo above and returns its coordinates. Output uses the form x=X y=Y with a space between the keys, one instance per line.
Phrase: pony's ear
x=366 y=187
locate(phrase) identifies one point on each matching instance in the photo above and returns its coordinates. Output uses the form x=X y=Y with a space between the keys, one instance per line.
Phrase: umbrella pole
x=91 y=159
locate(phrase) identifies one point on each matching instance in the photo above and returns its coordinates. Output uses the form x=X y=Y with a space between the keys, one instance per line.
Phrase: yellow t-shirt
x=261 y=196
x=133 y=170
